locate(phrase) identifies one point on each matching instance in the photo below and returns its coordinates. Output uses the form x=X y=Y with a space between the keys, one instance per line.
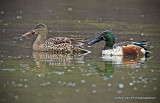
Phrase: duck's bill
x=28 y=33
x=99 y=38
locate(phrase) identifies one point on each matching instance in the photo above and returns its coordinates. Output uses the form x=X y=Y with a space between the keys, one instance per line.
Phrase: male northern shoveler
x=124 y=48
x=57 y=44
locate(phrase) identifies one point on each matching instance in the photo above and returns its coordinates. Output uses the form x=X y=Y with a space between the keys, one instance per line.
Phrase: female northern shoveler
x=57 y=44
x=124 y=48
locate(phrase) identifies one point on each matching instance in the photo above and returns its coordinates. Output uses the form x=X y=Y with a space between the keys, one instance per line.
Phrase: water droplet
x=136 y=70
x=142 y=16
x=109 y=84
x=144 y=86
x=119 y=91
x=83 y=81
x=79 y=21
x=122 y=78
x=25 y=80
x=151 y=46
x=131 y=39
x=4 y=85
x=140 y=77
x=142 y=34
x=71 y=84
x=152 y=70
x=25 y=86
x=77 y=90
x=138 y=81
x=88 y=74
x=154 y=78
x=39 y=75
x=16 y=97
x=131 y=84
x=121 y=85
x=135 y=88
x=94 y=91
x=19 y=17
x=13 y=82
x=2 y=12
x=69 y=70
x=93 y=85
x=20 y=85
x=70 y=9
x=155 y=88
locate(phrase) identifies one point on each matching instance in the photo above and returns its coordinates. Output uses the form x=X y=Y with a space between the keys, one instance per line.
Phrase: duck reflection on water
x=57 y=59
x=110 y=64
x=126 y=61
x=50 y=61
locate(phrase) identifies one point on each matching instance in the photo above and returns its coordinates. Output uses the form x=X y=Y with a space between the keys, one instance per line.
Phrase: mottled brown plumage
x=56 y=44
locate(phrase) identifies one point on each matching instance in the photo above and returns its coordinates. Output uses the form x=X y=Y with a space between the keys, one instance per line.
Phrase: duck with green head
x=120 y=49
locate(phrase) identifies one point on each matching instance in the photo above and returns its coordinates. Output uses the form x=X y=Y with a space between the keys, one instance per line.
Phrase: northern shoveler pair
x=75 y=45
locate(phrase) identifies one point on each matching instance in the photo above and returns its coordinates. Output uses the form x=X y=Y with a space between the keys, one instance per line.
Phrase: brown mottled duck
x=56 y=44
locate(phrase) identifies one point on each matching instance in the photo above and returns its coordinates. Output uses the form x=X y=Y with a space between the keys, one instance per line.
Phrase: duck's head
x=106 y=36
x=39 y=29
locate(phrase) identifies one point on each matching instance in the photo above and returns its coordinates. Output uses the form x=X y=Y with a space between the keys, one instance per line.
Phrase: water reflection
x=110 y=63
x=57 y=59
x=45 y=60
x=127 y=61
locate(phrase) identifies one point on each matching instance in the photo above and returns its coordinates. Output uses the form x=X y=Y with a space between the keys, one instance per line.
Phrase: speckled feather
x=63 y=44
x=56 y=44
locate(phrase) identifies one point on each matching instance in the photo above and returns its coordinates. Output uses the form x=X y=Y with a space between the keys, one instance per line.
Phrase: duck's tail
x=142 y=44
x=147 y=53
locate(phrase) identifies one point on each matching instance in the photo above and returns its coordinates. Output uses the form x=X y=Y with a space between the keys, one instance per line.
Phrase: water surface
x=28 y=76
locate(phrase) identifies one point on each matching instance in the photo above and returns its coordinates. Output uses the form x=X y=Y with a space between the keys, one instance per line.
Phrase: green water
x=39 y=77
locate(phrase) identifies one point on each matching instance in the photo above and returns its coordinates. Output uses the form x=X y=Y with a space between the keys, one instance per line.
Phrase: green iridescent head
x=107 y=36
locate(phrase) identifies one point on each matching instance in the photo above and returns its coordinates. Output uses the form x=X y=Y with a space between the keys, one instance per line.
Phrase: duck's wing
x=121 y=44
x=142 y=44
x=61 y=40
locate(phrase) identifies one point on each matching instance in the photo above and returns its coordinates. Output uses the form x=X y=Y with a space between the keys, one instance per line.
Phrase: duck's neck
x=109 y=45
x=39 y=41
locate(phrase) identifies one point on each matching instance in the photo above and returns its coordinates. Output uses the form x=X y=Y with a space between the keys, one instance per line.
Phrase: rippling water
x=28 y=76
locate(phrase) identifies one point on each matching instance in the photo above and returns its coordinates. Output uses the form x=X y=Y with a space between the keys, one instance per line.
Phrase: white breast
x=113 y=52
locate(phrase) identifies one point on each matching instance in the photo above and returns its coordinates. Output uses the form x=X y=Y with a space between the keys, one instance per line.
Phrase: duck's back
x=63 y=45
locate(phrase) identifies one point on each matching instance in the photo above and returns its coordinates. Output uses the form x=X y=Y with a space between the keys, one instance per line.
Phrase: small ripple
x=8 y=69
